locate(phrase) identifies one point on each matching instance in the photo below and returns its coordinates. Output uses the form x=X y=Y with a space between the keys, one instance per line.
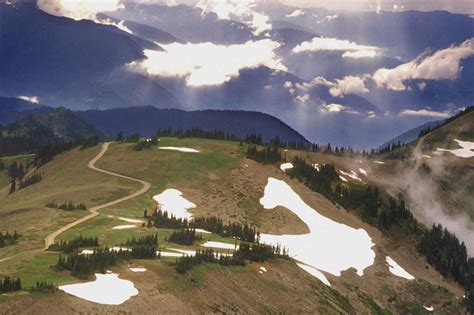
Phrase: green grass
x=38 y=267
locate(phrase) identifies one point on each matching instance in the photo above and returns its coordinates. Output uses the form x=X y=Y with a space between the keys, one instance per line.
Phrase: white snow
x=130 y=220
x=429 y=308
x=121 y=227
x=179 y=149
x=316 y=166
x=123 y=249
x=467 y=150
x=397 y=270
x=184 y=251
x=362 y=171
x=426 y=156
x=86 y=252
x=286 y=166
x=137 y=269
x=263 y=269
x=202 y=231
x=106 y=289
x=343 y=178
x=379 y=162
x=170 y=254
x=173 y=202
x=220 y=245
x=315 y=273
x=330 y=246
x=352 y=175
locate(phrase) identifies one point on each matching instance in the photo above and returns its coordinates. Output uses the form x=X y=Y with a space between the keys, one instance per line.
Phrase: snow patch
x=467 y=150
x=263 y=269
x=286 y=166
x=362 y=171
x=429 y=308
x=379 y=162
x=315 y=273
x=343 y=178
x=121 y=227
x=106 y=289
x=130 y=220
x=188 y=150
x=202 y=231
x=316 y=166
x=352 y=175
x=330 y=246
x=397 y=270
x=220 y=245
x=173 y=202
x=86 y=252
x=137 y=269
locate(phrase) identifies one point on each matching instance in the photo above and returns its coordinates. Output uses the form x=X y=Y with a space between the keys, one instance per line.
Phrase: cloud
x=337 y=108
x=340 y=87
x=242 y=10
x=424 y=113
x=348 y=85
x=78 y=9
x=444 y=64
x=296 y=13
x=350 y=49
x=31 y=99
x=207 y=63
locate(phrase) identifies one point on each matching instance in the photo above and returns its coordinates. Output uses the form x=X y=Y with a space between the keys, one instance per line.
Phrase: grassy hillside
x=221 y=182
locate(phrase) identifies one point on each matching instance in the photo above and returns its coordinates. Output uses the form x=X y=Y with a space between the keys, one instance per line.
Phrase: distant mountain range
x=27 y=126
x=84 y=65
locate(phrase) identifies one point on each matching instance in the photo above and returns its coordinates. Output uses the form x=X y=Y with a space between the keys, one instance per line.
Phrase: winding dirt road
x=95 y=210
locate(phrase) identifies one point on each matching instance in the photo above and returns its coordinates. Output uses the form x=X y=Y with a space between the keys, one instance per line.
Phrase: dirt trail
x=95 y=210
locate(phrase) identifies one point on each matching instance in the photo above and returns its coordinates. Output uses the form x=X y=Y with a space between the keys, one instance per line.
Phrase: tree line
x=67 y=206
x=74 y=244
x=246 y=252
x=10 y=285
x=185 y=237
x=444 y=251
x=7 y=239
x=213 y=224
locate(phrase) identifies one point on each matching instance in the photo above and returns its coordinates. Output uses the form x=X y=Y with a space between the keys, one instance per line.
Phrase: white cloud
x=120 y=25
x=443 y=64
x=208 y=63
x=348 y=85
x=31 y=99
x=296 y=13
x=340 y=87
x=360 y=54
x=302 y=98
x=78 y=9
x=242 y=10
x=424 y=113
x=333 y=108
x=350 y=49
x=371 y=114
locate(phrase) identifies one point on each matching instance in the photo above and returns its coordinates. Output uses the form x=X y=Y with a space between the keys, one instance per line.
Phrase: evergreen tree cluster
x=185 y=237
x=82 y=266
x=10 y=285
x=74 y=244
x=16 y=171
x=259 y=252
x=89 y=142
x=143 y=240
x=133 y=138
x=469 y=286
x=319 y=181
x=246 y=252
x=67 y=206
x=8 y=239
x=45 y=287
x=213 y=224
x=186 y=263
x=268 y=155
x=28 y=181
x=443 y=250
x=146 y=143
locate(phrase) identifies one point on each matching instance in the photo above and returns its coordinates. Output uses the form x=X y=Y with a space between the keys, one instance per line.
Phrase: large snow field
x=106 y=289
x=330 y=246
x=173 y=202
